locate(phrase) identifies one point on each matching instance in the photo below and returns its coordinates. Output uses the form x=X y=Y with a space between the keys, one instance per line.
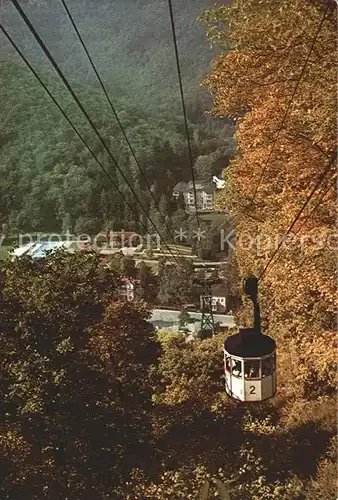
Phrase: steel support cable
x=250 y=204
x=183 y=107
x=242 y=212
x=9 y=38
x=69 y=88
x=308 y=199
x=320 y=200
x=324 y=193
x=314 y=209
x=288 y=107
x=103 y=87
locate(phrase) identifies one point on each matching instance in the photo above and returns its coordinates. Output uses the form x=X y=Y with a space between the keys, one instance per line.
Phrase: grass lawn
x=179 y=248
x=212 y=217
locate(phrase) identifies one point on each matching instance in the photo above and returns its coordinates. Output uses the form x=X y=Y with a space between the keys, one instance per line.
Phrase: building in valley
x=39 y=249
x=204 y=194
x=126 y=290
x=219 y=298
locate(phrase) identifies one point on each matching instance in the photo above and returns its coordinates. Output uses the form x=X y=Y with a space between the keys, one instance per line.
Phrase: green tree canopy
x=75 y=386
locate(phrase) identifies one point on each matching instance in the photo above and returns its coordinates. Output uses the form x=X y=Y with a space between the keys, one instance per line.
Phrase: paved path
x=165 y=318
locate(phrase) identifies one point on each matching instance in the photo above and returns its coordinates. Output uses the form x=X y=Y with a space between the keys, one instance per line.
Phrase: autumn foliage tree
x=277 y=79
x=93 y=407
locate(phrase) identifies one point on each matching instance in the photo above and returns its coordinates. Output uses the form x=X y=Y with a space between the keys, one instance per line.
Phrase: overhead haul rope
x=116 y=115
x=183 y=105
x=288 y=107
x=69 y=121
x=251 y=203
x=297 y=217
x=183 y=108
x=320 y=200
x=65 y=81
x=65 y=116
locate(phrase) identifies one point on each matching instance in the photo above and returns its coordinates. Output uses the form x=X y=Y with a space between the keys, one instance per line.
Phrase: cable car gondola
x=250 y=358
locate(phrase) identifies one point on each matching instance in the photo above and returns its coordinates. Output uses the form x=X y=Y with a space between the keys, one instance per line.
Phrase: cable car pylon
x=208 y=327
x=207 y=322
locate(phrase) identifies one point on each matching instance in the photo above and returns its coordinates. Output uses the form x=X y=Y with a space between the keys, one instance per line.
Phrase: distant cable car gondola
x=250 y=358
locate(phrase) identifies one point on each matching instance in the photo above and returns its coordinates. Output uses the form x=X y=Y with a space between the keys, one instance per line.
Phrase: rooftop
x=219 y=290
x=250 y=347
x=39 y=250
x=186 y=187
x=182 y=187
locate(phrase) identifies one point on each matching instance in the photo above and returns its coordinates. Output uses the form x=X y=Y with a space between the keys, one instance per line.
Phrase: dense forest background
x=49 y=181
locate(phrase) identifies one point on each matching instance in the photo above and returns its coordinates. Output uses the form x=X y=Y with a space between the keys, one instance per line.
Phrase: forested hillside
x=49 y=181
x=95 y=404
x=131 y=41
